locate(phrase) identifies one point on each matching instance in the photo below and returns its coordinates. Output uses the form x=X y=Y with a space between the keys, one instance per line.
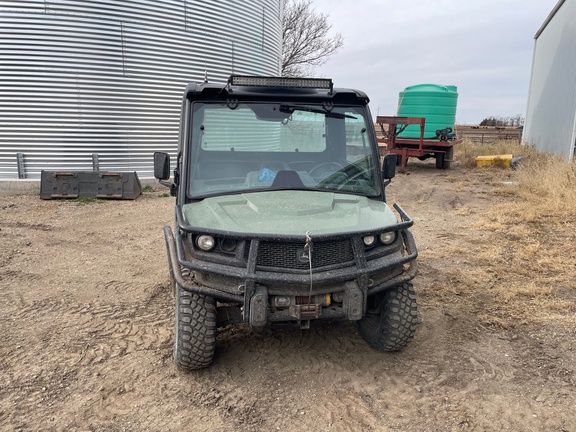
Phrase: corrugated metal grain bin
x=106 y=77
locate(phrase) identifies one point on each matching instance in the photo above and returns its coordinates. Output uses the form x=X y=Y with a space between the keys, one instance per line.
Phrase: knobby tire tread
x=397 y=321
x=195 y=330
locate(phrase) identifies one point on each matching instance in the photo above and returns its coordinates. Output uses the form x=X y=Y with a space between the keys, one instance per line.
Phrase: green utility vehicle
x=281 y=215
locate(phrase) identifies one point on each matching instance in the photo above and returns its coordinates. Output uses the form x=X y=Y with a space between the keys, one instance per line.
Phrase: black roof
x=217 y=91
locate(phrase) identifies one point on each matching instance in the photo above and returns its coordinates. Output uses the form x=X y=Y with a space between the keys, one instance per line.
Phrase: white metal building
x=106 y=77
x=551 y=113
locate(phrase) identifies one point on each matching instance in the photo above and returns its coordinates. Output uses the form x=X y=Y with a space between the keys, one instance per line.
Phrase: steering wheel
x=323 y=170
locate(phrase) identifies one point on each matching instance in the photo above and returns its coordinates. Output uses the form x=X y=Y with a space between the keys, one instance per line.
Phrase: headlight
x=388 y=237
x=205 y=242
x=369 y=240
x=228 y=245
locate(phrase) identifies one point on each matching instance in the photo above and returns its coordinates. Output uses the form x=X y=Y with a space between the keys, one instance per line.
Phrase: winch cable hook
x=308 y=249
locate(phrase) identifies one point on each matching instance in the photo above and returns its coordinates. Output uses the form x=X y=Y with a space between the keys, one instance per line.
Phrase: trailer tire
x=440 y=160
x=444 y=158
x=391 y=320
x=449 y=157
x=194 y=330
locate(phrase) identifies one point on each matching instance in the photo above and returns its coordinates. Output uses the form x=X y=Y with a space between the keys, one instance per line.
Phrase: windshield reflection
x=267 y=146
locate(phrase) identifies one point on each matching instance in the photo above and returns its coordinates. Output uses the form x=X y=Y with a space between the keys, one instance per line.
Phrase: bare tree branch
x=306 y=42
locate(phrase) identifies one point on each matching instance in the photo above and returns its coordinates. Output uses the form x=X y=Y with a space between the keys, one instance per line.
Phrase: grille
x=286 y=255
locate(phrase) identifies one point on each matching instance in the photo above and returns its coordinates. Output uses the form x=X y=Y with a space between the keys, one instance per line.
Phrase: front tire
x=195 y=330
x=391 y=320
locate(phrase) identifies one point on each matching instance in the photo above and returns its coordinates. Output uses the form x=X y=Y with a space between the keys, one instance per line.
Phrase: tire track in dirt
x=36 y=392
x=308 y=375
x=10 y=277
x=352 y=411
x=87 y=336
x=28 y=226
x=350 y=382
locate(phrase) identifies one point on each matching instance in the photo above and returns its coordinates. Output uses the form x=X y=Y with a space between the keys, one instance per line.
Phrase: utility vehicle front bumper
x=251 y=288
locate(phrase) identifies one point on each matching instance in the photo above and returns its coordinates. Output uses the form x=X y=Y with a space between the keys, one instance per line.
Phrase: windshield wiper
x=289 y=109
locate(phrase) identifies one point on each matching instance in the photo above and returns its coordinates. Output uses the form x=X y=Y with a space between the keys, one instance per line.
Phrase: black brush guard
x=251 y=291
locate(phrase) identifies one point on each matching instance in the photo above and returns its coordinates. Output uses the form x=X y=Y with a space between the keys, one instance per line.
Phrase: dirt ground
x=86 y=334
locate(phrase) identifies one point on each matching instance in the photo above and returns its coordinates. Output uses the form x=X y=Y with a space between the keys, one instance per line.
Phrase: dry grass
x=523 y=265
x=531 y=254
x=549 y=184
x=463 y=211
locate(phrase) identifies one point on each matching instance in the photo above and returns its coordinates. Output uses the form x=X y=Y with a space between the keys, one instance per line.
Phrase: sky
x=484 y=47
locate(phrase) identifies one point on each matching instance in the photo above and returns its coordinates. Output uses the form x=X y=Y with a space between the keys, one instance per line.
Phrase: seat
x=287 y=180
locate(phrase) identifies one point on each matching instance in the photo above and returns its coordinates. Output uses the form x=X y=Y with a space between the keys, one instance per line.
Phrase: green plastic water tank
x=436 y=103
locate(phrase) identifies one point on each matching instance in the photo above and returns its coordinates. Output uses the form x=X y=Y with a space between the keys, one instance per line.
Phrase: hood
x=289 y=213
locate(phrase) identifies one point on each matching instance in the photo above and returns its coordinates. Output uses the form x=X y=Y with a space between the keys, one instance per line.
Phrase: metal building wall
x=551 y=112
x=79 y=77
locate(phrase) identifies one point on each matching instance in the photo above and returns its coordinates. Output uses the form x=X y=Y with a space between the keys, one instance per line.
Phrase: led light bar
x=259 y=81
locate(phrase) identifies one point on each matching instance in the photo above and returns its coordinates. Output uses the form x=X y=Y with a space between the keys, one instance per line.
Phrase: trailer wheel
x=194 y=330
x=444 y=158
x=391 y=319
x=449 y=157
x=440 y=160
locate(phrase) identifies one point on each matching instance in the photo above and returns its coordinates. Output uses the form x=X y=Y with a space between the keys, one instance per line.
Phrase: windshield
x=244 y=147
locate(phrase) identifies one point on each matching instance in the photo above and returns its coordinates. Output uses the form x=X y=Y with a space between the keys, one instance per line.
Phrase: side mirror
x=389 y=166
x=161 y=165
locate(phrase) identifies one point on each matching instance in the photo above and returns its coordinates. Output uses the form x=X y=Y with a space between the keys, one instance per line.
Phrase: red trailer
x=442 y=149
